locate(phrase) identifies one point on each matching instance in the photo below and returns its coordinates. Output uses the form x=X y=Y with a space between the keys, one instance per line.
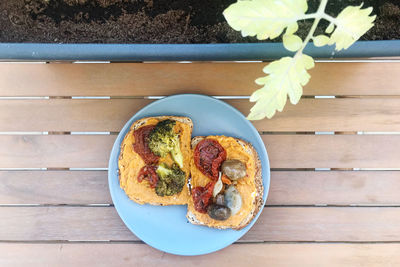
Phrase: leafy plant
x=287 y=76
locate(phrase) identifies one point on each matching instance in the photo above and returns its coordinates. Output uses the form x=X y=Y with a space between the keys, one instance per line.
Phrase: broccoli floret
x=170 y=180
x=163 y=140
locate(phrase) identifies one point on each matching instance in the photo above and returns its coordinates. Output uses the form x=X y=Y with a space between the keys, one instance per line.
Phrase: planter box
x=181 y=52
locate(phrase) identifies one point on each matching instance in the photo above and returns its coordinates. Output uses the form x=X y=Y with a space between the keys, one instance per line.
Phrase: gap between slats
x=239 y=242
x=157 y=97
x=327 y=60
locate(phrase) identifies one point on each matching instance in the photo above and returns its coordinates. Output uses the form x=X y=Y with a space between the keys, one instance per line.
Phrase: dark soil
x=153 y=21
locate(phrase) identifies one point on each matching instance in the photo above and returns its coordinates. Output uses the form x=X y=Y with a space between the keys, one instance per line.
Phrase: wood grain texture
x=67 y=115
x=336 y=224
x=124 y=79
x=280 y=255
x=285 y=151
x=334 y=187
x=62 y=223
x=54 y=187
x=287 y=187
x=361 y=78
x=55 y=151
x=333 y=151
x=275 y=224
x=377 y=114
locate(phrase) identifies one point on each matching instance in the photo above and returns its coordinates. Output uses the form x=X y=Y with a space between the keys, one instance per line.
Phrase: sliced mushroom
x=234 y=169
x=220 y=199
x=233 y=200
x=218 y=212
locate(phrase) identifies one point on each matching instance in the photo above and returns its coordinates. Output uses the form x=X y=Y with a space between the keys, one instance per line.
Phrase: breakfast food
x=218 y=177
x=226 y=182
x=154 y=160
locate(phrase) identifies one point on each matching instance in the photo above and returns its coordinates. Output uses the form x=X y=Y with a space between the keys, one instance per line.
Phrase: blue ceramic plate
x=166 y=228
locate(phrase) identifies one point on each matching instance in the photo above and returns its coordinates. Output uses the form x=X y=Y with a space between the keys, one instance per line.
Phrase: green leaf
x=287 y=76
x=351 y=24
x=292 y=42
x=320 y=40
x=265 y=18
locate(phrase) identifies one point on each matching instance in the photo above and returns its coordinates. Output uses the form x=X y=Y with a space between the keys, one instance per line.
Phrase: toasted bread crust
x=137 y=124
x=142 y=121
x=258 y=201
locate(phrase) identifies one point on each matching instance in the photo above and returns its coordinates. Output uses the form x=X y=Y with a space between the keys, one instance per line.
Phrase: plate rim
x=126 y=127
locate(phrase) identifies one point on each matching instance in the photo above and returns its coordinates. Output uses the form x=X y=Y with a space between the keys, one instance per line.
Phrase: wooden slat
x=55 y=151
x=171 y=78
x=366 y=255
x=54 y=187
x=334 y=187
x=285 y=151
x=353 y=114
x=287 y=187
x=67 y=115
x=333 y=151
x=275 y=224
x=62 y=223
x=110 y=115
x=354 y=79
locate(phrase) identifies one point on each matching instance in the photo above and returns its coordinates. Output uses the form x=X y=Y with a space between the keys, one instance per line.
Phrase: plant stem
x=329 y=18
x=318 y=15
x=308 y=16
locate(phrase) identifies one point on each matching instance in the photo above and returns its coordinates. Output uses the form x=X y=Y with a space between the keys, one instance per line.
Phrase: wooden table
x=335 y=182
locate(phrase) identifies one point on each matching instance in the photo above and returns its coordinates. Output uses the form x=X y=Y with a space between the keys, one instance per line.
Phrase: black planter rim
x=185 y=52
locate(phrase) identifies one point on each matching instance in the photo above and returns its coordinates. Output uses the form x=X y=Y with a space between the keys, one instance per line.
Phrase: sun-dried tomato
x=208 y=157
x=202 y=197
x=148 y=173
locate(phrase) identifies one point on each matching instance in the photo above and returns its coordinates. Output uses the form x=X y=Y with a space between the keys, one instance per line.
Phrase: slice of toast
x=250 y=187
x=130 y=163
